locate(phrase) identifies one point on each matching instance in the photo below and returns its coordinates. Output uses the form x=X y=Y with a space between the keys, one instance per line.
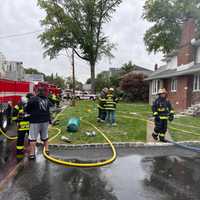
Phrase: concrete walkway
x=150 y=130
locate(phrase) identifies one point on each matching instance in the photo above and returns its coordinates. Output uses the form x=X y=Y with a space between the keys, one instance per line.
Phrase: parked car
x=67 y=94
x=85 y=96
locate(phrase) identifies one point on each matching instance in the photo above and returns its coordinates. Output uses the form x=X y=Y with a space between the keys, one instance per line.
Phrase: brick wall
x=181 y=99
x=186 y=51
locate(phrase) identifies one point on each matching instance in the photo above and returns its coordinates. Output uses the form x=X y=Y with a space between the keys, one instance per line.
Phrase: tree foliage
x=167 y=17
x=77 y=24
x=127 y=67
x=69 y=83
x=52 y=79
x=135 y=88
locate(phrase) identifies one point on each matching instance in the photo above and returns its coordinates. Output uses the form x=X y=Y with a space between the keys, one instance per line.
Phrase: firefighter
x=20 y=117
x=110 y=107
x=52 y=98
x=101 y=105
x=162 y=112
x=58 y=100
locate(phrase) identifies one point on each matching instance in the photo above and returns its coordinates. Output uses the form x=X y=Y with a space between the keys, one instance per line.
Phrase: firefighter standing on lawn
x=110 y=106
x=20 y=117
x=101 y=105
x=162 y=111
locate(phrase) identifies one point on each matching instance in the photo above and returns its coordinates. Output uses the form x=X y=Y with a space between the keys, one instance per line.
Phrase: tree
x=32 y=71
x=168 y=16
x=69 y=82
x=77 y=24
x=102 y=81
x=127 y=67
x=135 y=88
x=56 y=80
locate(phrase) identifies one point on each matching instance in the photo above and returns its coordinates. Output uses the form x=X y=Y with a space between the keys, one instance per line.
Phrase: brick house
x=181 y=74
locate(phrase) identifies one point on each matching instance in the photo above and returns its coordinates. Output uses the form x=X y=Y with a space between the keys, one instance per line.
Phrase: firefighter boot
x=155 y=136
x=162 y=138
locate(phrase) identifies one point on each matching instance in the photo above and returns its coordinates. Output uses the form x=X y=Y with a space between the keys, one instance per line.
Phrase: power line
x=20 y=34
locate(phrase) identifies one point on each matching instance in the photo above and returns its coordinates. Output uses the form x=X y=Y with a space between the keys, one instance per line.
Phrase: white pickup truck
x=85 y=96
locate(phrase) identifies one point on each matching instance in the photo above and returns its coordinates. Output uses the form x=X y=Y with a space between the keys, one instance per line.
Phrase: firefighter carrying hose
x=22 y=120
x=162 y=111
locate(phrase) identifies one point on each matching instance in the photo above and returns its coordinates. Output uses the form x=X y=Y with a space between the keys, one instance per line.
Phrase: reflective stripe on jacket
x=162 y=108
x=110 y=102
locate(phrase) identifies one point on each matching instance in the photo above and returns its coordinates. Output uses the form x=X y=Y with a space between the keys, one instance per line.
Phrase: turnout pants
x=20 y=143
x=160 y=128
x=102 y=114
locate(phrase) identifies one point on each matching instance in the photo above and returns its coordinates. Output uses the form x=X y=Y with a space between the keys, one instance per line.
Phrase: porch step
x=194 y=110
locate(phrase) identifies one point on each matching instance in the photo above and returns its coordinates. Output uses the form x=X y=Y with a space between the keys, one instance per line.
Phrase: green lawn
x=188 y=124
x=126 y=129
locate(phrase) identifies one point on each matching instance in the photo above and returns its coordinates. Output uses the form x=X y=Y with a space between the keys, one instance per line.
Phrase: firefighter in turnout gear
x=101 y=105
x=22 y=121
x=110 y=106
x=162 y=112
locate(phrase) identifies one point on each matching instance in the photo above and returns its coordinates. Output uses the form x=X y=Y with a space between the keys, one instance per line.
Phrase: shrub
x=135 y=88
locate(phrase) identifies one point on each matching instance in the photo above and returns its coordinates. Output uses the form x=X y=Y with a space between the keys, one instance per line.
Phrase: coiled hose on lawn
x=84 y=165
x=74 y=164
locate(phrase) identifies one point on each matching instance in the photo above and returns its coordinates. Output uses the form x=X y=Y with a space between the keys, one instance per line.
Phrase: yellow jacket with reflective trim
x=110 y=102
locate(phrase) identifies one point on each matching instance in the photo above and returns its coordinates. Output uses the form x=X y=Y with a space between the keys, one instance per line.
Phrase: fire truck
x=11 y=93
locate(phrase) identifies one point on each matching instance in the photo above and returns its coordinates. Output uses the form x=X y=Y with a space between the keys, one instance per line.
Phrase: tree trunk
x=92 y=69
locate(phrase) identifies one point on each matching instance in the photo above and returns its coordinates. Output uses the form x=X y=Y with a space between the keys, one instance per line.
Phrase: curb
x=117 y=145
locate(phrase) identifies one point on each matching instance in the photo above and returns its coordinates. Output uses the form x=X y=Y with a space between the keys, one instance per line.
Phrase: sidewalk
x=150 y=130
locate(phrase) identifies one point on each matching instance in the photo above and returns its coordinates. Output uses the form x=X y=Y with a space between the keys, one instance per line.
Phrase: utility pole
x=73 y=80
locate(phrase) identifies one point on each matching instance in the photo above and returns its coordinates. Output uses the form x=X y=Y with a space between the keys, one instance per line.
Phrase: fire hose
x=190 y=148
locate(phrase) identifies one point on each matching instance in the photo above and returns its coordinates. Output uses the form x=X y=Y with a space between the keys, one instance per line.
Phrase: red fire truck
x=11 y=93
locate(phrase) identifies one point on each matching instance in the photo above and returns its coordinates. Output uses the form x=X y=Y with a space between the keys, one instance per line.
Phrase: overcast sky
x=126 y=29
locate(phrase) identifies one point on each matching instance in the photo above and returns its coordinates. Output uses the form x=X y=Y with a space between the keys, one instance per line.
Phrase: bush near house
x=135 y=88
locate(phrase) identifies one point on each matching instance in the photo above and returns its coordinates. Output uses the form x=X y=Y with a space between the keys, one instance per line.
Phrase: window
x=173 y=85
x=196 y=83
x=155 y=86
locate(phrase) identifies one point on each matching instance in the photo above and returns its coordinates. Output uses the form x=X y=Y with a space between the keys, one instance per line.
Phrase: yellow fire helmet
x=111 y=89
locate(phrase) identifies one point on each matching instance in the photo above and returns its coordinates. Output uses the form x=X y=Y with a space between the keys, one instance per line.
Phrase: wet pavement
x=153 y=173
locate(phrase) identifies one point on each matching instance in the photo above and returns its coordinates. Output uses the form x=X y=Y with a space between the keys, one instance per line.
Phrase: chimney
x=185 y=53
x=156 y=67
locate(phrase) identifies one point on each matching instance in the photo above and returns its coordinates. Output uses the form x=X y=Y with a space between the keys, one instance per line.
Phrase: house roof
x=138 y=68
x=163 y=72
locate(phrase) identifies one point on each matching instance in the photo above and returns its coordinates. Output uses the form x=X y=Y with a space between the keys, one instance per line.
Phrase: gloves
x=171 y=118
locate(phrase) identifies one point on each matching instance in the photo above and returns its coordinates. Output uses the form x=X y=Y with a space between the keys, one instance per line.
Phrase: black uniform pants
x=20 y=143
x=102 y=114
x=160 y=126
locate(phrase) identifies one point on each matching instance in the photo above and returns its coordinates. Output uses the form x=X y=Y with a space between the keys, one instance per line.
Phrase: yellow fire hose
x=97 y=164
x=72 y=164
x=173 y=128
x=84 y=165
x=8 y=137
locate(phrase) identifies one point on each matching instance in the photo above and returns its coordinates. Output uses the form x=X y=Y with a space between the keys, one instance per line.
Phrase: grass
x=126 y=129
x=188 y=124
